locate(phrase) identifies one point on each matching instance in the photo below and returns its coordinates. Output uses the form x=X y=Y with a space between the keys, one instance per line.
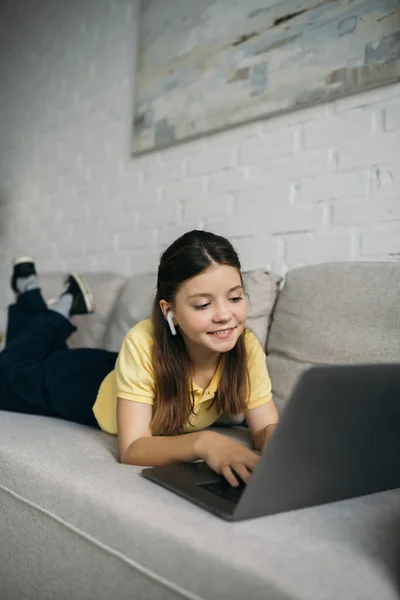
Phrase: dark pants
x=39 y=374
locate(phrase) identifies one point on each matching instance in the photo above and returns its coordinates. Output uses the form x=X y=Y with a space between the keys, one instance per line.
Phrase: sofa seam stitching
x=106 y=548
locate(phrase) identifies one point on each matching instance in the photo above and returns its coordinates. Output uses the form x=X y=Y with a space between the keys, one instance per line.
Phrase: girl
x=175 y=375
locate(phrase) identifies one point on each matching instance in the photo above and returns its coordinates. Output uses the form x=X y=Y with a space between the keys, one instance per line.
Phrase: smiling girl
x=192 y=362
x=176 y=374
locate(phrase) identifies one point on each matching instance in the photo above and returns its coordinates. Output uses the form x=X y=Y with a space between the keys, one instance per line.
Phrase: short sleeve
x=260 y=383
x=134 y=371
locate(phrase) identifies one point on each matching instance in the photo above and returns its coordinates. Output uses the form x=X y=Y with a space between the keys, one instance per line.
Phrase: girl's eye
x=236 y=299
x=201 y=306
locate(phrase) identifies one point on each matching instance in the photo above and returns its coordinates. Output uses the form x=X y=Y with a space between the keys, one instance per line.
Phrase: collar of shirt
x=201 y=395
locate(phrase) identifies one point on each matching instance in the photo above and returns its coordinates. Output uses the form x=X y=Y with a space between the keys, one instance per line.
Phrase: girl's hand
x=227 y=457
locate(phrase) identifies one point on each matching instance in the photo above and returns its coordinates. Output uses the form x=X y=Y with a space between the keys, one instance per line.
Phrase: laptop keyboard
x=223 y=489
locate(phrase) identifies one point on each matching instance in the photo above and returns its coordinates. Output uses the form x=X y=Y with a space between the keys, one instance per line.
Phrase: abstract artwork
x=205 y=65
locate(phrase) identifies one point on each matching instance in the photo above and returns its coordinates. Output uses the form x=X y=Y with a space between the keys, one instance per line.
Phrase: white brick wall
x=315 y=185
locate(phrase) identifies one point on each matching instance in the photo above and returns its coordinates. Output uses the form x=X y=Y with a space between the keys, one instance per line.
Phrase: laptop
x=338 y=438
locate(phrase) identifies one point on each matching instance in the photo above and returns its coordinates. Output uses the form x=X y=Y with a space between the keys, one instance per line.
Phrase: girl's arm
x=137 y=446
x=262 y=422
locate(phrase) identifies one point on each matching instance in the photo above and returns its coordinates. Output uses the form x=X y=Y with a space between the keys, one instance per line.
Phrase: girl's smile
x=222 y=334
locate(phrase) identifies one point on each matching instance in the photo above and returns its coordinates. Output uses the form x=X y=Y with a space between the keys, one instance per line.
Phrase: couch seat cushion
x=70 y=474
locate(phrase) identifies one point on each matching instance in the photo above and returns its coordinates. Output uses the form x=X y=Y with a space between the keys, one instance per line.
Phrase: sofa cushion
x=133 y=304
x=262 y=288
x=135 y=301
x=76 y=519
x=91 y=328
x=331 y=314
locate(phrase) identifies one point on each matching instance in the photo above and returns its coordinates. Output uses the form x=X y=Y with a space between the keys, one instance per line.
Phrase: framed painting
x=205 y=65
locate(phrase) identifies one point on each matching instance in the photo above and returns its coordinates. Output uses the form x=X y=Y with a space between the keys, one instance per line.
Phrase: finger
x=229 y=476
x=241 y=470
x=251 y=461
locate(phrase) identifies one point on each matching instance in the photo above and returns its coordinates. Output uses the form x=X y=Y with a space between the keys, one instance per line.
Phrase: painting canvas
x=205 y=65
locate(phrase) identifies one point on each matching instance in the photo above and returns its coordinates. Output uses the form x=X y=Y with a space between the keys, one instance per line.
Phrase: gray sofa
x=76 y=524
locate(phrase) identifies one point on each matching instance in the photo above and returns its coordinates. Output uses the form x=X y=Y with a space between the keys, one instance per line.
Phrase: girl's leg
x=72 y=380
x=22 y=387
x=44 y=335
x=64 y=385
x=29 y=301
x=24 y=366
x=24 y=312
x=49 y=330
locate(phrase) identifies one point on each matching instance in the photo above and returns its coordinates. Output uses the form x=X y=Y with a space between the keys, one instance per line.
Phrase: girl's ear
x=165 y=307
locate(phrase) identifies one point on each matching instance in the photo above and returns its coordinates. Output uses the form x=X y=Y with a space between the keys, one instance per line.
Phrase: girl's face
x=210 y=310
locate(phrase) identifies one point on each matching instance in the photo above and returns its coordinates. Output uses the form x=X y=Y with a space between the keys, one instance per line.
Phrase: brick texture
x=314 y=185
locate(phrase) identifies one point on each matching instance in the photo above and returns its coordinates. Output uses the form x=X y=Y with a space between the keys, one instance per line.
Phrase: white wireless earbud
x=170 y=316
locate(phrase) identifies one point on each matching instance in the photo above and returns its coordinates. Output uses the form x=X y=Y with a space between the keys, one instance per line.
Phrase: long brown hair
x=190 y=255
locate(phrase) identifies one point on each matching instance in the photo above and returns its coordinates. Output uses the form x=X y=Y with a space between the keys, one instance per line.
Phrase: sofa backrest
x=331 y=314
x=133 y=304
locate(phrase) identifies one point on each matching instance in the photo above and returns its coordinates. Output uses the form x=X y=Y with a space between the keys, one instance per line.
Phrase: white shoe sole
x=85 y=289
x=23 y=259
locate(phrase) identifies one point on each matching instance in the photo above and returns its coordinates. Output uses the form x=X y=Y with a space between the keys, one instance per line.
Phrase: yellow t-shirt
x=133 y=379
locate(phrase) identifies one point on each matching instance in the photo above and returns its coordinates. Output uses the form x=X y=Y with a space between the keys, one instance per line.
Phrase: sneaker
x=23 y=266
x=78 y=287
